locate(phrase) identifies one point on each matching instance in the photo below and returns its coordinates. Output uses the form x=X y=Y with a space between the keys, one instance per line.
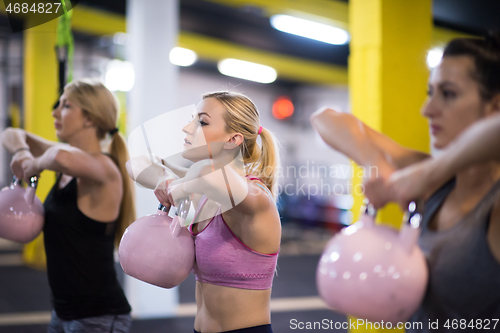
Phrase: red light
x=282 y=108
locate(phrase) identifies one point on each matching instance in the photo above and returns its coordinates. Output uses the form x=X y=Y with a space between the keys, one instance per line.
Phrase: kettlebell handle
x=413 y=215
x=16 y=181
x=183 y=209
x=33 y=181
x=410 y=231
x=162 y=208
x=368 y=209
x=180 y=216
x=175 y=226
x=29 y=196
x=368 y=214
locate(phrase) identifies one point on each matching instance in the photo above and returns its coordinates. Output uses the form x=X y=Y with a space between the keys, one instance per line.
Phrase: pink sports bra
x=223 y=259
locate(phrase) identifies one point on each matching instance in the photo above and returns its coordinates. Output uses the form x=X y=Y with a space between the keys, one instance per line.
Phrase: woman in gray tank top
x=461 y=226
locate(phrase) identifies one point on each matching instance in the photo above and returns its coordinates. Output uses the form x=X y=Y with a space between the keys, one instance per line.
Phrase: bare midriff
x=222 y=308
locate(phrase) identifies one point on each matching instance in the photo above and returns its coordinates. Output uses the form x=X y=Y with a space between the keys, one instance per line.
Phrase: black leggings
x=256 y=329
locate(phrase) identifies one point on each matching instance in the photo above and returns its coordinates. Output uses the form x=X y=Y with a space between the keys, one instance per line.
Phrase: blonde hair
x=101 y=107
x=242 y=117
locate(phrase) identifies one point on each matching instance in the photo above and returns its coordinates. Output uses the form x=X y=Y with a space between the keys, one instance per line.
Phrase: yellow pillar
x=40 y=94
x=388 y=75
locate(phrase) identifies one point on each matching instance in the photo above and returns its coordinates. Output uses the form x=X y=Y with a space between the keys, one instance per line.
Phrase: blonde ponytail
x=119 y=153
x=268 y=161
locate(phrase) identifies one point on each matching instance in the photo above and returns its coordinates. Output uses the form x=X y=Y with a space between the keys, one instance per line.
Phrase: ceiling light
x=120 y=75
x=305 y=28
x=182 y=57
x=434 y=57
x=247 y=70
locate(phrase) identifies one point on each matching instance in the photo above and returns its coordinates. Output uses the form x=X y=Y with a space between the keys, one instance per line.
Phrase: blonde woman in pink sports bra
x=237 y=231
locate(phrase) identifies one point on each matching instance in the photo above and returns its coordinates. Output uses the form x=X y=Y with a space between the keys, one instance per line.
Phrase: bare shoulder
x=105 y=168
x=103 y=182
x=259 y=227
x=259 y=196
x=256 y=200
x=265 y=216
x=110 y=166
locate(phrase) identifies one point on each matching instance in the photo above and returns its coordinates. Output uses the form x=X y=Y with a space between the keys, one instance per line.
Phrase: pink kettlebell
x=156 y=249
x=373 y=271
x=21 y=212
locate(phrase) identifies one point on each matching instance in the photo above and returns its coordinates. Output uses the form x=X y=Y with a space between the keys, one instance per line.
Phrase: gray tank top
x=464 y=279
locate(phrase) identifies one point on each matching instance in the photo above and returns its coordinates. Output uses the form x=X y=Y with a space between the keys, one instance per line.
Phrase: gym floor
x=25 y=295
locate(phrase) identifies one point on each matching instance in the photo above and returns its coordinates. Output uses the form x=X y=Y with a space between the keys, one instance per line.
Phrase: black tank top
x=80 y=262
x=464 y=280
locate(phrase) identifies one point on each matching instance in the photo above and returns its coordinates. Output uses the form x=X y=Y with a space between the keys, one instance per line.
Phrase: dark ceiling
x=472 y=16
x=250 y=28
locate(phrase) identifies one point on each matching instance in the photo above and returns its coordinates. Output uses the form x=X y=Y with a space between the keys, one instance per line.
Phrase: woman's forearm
x=365 y=146
x=14 y=139
x=148 y=173
x=51 y=159
x=479 y=143
x=177 y=169
x=221 y=184
x=30 y=166
x=346 y=134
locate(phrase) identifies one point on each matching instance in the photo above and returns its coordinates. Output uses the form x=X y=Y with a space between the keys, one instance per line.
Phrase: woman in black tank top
x=87 y=210
x=461 y=227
